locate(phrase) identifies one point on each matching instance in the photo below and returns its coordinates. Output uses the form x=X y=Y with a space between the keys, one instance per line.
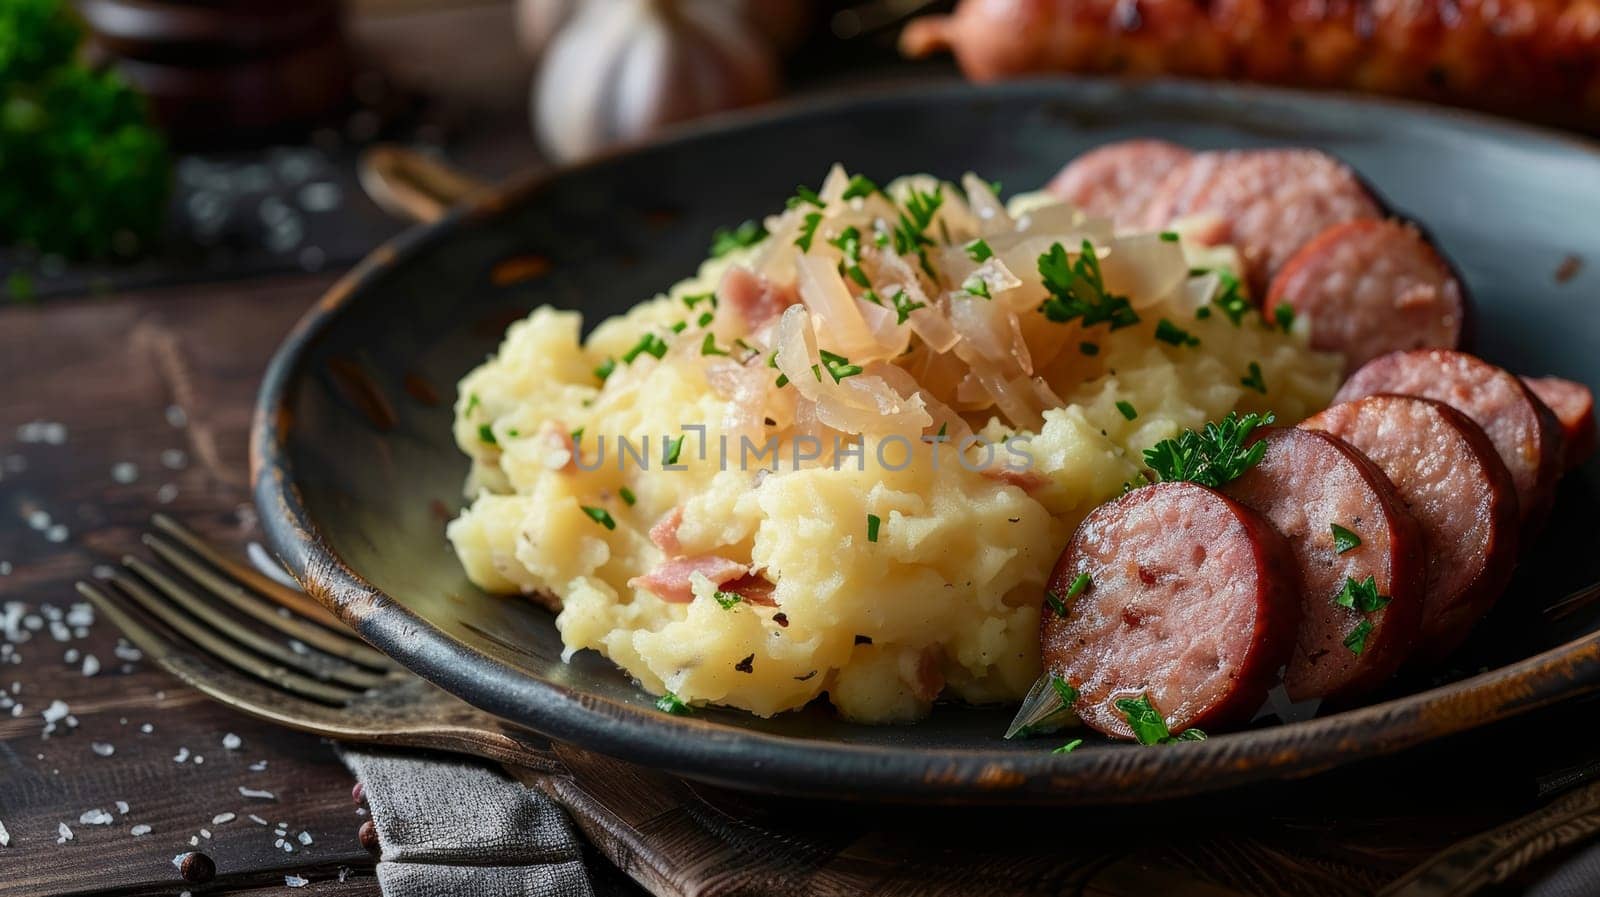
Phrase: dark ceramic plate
x=355 y=471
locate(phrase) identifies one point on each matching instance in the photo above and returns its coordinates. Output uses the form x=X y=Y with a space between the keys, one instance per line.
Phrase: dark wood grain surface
x=107 y=371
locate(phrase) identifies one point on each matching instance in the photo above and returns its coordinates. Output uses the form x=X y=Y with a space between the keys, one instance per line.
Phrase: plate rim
x=789 y=765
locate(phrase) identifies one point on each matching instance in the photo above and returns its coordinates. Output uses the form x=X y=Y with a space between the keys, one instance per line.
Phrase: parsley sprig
x=1362 y=596
x=903 y=306
x=1149 y=726
x=1078 y=290
x=1213 y=457
x=725 y=240
x=910 y=230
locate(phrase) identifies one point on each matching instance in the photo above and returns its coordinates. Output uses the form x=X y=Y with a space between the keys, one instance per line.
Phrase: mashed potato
x=851 y=471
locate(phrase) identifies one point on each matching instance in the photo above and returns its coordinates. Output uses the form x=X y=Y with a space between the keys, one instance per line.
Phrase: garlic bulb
x=621 y=69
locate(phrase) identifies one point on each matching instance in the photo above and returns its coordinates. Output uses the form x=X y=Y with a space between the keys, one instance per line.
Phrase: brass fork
x=274 y=653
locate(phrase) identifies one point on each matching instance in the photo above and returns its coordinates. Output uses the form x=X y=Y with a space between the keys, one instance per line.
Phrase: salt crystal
x=101 y=748
x=167 y=494
x=344 y=872
x=256 y=819
x=5 y=568
x=72 y=721
x=124 y=472
x=71 y=656
x=57 y=534
x=231 y=741
x=176 y=416
x=305 y=838
x=80 y=614
x=125 y=651
x=258 y=766
x=256 y=793
x=39 y=520
x=194 y=840
x=222 y=818
x=140 y=829
x=295 y=881
x=96 y=816
x=60 y=631
x=122 y=807
x=33 y=622
x=64 y=834
x=182 y=756
x=56 y=712
x=147 y=728
x=287 y=847
x=205 y=833
x=278 y=843
x=91 y=664
x=174 y=459
x=198 y=759
x=5 y=836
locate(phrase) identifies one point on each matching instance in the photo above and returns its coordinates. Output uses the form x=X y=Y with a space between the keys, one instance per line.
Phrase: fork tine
x=344 y=646
x=223 y=650
x=219 y=624
x=299 y=602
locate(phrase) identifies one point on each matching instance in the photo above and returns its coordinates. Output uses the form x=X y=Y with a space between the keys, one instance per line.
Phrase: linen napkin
x=455 y=827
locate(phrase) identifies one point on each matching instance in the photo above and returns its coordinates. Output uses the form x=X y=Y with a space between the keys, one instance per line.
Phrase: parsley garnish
x=709 y=346
x=1128 y=411
x=1064 y=690
x=839 y=367
x=1069 y=747
x=849 y=243
x=650 y=343
x=1214 y=457
x=1055 y=603
x=977 y=286
x=1168 y=332
x=873 y=522
x=600 y=516
x=704 y=319
x=909 y=236
x=1343 y=539
x=487 y=435
x=628 y=498
x=472 y=403
x=727 y=599
x=670 y=703
x=808 y=231
x=577 y=436
x=859 y=186
x=1356 y=641
x=804 y=195
x=1148 y=726
x=680 y=326
x=1078 y=290
x=979 y=251
x=1089 y=348
x=1079 y=583
x=1253 y=380
x=1168 y=236
x=1362 y=596
x=1231 y=297
x=1202 y=312
x=1284 y=314
x=692 y=299
x=725 y=240
x=903 y=306
x=604 y=369
x=674 y=449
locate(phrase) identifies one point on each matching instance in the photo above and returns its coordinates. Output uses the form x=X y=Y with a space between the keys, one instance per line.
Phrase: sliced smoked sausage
x=1190 y=599
x=1371 y=287
x=1573 y=405
x=1523 y=429
x=1306 y=483
x=1454 y=483
x=1270 y=202
x=1116 y=181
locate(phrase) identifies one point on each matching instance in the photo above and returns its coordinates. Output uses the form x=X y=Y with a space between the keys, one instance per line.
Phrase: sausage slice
x=1117 y=180
x=1523 y=429
x=1447 y=472
x=1307 y=482
x=1573 y=405
x=1272 y=201
x=1190 y=601
x=1371 y=287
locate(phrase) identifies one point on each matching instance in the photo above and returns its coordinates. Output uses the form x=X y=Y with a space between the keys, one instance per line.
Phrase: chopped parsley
x=1202 y=312
x=472 y=404
x=1079 y=583
x=709 y=346
x=1284 y=314
x=1064 y=690
x=1230 y=298
x=808 y=231
x=977 y=286
x=804 y=195
x=1168 y=332
x=1089 y=348
x=577 y=436
x=849 y=243
x=628 y=498
x=839 y=367
x=1069 y=747
x=1078 y=290
x=704 y=319
x=873 y=522
x=680 y=326
x=859 y=186
x=1356 y=641
x=1343 y=539
x=725 y=240
x=903 y=306
x=1213 y=457
x=979 y=251
x=649 y=343
x=600 y=516
x=1148 y=725
x=1253 y=379
x=1128 y=411
x=604 y=369
x=1168 y=236
x=909 y=233
x=1055 y=603
x=486 y=435
x=670 y=703
x=1362 y=596
x=727 y=600
x=690 y=300
x=674 y=449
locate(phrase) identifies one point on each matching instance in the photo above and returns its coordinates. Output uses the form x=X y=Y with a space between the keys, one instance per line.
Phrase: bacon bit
x=665 y=532
x=670 y=580
x=1029 y=481
x=929 y=679
x=754 y=590
x=755 y=299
